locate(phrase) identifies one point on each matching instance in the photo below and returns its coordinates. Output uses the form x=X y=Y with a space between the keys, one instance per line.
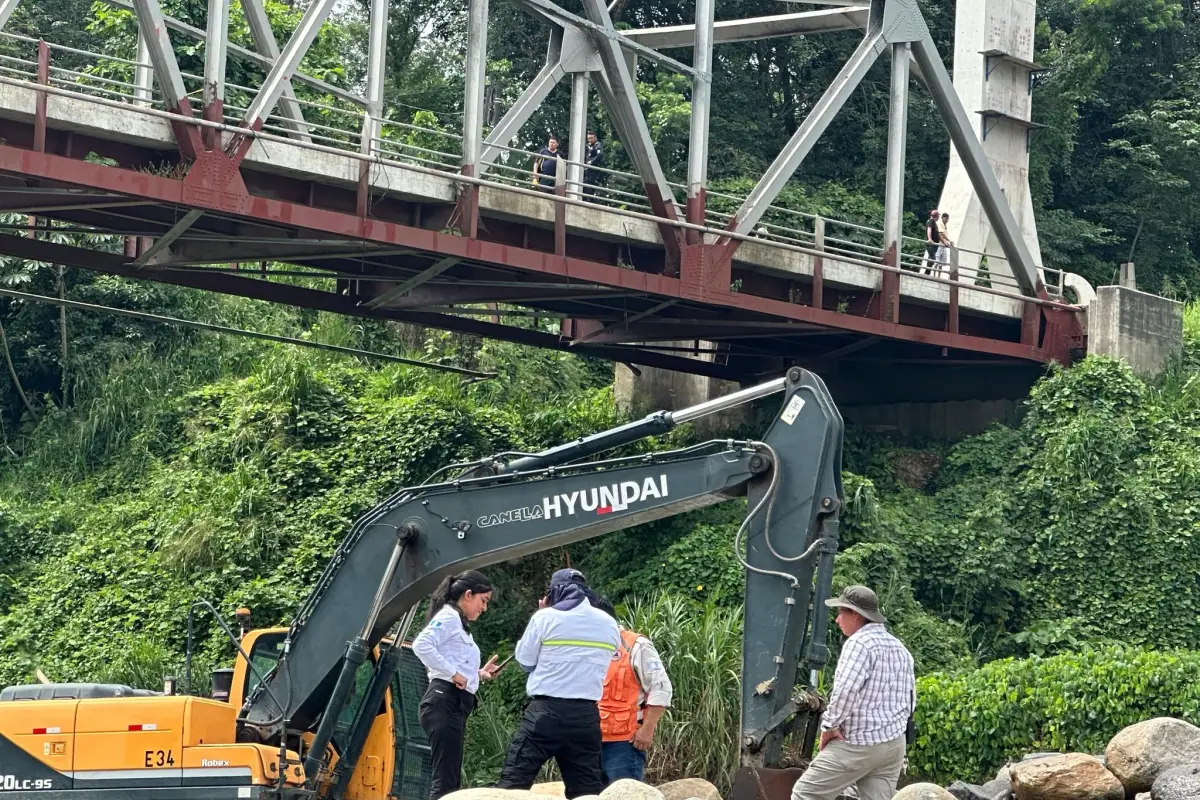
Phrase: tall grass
x=701 y=647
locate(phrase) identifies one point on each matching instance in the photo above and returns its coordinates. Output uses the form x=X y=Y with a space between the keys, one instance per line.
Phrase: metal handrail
x=470 y=180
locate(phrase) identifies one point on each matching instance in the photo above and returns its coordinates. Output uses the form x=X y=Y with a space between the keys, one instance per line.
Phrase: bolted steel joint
x=758 y=463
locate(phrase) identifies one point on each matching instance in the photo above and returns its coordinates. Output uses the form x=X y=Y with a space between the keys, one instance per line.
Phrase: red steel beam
x=166 y=190
x=288 y=294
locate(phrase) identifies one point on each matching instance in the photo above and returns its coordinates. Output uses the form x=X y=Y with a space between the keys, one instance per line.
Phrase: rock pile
x=1158 y=759
x=686 y=789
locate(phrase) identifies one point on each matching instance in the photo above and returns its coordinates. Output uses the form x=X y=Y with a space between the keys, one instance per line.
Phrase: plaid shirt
x=874 y=689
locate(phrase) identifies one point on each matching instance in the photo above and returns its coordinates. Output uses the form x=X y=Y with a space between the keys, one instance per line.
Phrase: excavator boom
x=397 y=554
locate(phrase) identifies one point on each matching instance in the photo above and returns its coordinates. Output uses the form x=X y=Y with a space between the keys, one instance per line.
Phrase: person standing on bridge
x=545 y=166
x=864 y=729
x=594 y=159
x=946 y=243
x=566 y=649
x=933 y=241
x=452 y=658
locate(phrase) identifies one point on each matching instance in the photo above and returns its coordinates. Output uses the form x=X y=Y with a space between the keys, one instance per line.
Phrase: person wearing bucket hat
x=566 y=649
x=863 y=729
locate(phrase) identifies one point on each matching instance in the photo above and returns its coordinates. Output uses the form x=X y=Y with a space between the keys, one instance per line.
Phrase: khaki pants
x=872 y=769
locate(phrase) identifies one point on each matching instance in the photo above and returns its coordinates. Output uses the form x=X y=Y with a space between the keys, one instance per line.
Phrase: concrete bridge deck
x=388 y=232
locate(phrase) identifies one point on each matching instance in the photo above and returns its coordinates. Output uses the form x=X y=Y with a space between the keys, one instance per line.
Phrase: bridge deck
x=612 y=287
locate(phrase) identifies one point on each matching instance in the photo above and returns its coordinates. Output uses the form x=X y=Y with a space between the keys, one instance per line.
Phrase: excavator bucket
x=764 y=783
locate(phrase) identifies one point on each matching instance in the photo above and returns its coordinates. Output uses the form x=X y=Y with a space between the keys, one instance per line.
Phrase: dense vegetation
x=145 y=467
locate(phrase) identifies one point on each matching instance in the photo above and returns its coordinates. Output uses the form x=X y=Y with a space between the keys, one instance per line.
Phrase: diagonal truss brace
x=281 y=73
x=594 y=26
x=166 y=70
x=525 y=106
x=7 y=7
x=897 y=22
x=802 y=141
x=617 y=90
x=264 y=42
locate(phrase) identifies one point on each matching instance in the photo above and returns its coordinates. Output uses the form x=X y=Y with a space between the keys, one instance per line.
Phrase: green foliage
x=969 y=724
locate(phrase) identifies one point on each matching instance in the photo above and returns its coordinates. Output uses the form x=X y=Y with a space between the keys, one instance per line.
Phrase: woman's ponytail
x=453 y=587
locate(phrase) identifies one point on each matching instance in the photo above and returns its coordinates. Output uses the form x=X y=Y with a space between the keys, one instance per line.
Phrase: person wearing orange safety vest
x=637 y=691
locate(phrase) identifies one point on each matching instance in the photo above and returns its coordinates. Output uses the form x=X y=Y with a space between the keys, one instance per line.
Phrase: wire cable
x=270 y=337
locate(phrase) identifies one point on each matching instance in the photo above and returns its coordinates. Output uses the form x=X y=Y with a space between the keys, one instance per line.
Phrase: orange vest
x=619 y=705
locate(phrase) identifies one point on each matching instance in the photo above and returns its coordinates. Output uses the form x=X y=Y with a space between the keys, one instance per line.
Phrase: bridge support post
x=893 y=223
x=580 y=86
x=143 y=73
x=477 y=23
x=214 y=69
x=702 y=53
x=376 y=61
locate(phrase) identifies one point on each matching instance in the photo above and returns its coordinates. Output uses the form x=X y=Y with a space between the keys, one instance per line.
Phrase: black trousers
x=443 y=715
x=567 y=731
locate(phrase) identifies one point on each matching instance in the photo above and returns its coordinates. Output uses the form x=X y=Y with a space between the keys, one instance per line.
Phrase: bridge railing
x=429 y=150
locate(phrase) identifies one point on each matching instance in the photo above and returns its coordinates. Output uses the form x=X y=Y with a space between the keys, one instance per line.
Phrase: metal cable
x=270 y=337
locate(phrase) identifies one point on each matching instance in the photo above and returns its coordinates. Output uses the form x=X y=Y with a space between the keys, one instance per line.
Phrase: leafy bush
x=969 y=724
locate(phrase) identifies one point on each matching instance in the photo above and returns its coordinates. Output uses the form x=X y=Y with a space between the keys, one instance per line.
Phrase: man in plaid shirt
x=863 y=729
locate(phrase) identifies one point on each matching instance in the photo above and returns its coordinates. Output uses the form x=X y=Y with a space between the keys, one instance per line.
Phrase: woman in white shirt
x=452 y=659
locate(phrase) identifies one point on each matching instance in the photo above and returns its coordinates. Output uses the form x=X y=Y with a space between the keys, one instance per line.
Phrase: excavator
x=325 y=708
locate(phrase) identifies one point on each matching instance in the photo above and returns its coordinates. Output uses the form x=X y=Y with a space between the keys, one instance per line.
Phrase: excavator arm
x=507 y=507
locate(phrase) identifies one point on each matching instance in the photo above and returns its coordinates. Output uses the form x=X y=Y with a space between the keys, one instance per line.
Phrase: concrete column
x=1144 y=330
x=653 y=389
x=998 y=81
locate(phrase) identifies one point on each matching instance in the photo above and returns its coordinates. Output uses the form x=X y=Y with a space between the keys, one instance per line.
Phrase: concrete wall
x=661 y=389
x=1144 y=330
x=948 y=421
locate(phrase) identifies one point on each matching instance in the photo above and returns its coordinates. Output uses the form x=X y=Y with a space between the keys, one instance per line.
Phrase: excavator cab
x=395 y=758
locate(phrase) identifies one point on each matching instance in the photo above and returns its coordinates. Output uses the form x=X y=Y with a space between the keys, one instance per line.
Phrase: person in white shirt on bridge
x=863 y=730
x=566 y=649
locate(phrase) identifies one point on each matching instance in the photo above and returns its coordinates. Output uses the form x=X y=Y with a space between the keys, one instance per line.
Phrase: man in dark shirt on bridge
x=545 y=166
x=593 y=157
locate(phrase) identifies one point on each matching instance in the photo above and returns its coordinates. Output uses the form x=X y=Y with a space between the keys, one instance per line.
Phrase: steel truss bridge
x=198 y=182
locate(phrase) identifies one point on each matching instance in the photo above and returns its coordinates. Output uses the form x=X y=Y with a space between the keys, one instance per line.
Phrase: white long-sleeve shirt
x=654 y=685
x=874 y=689
x=567 y=653
x=445 y=648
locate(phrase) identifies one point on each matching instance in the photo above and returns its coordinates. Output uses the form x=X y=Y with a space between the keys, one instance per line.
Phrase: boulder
x=999 y=789
x=688 y=788
x=1178 y=783
x=627 y=789
x=1142 y=796
x=1073 y=776
x=551 y=789
x=489 y=793
x=1140 y=753
x=922 y=791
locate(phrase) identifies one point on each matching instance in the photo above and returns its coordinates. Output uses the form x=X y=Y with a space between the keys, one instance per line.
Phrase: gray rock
x=1177 y=783
x=689 y=788
x=999 y=789
x=1140 y=753
x=1073 y=776
x=1142 y=796
x=922 y=791
x=627 y=789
